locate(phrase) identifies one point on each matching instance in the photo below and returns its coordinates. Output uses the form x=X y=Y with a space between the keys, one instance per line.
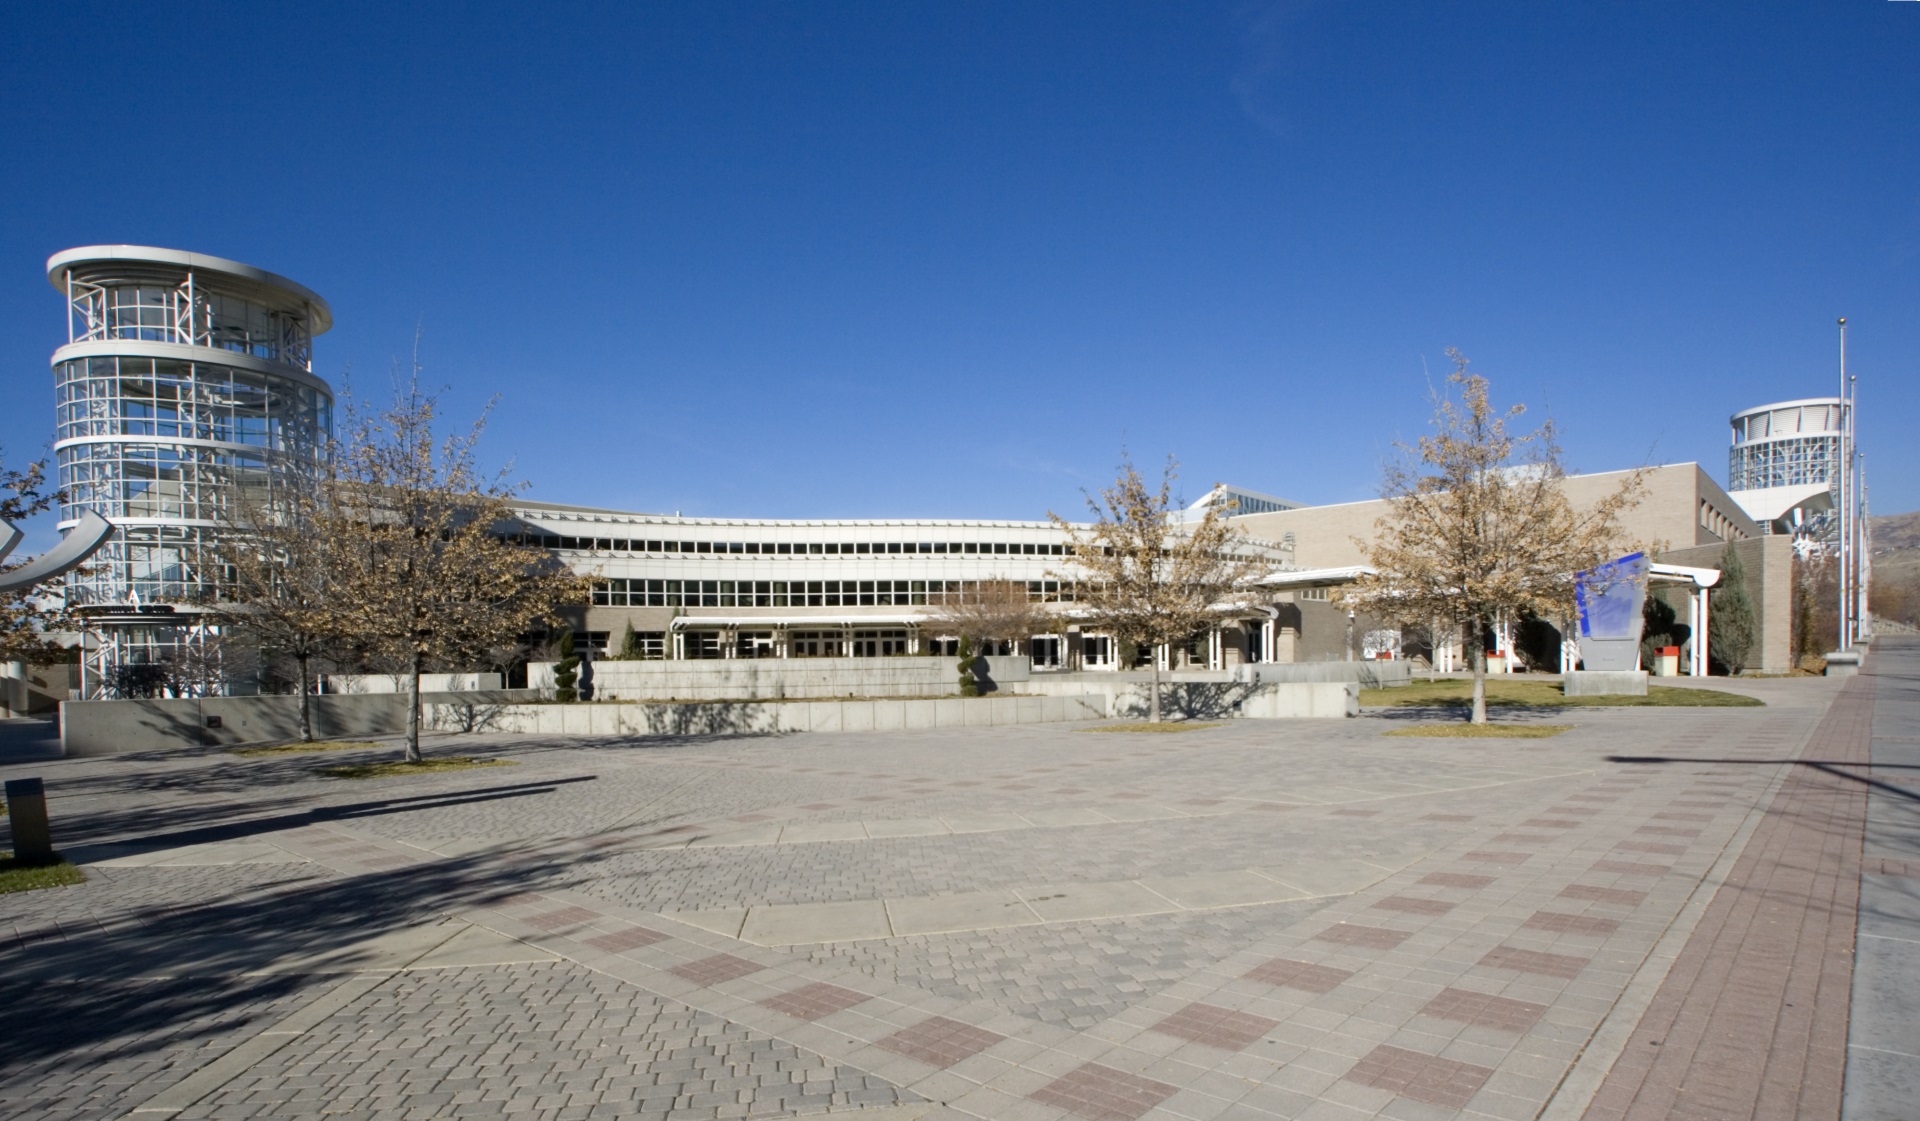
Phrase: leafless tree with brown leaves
x=1479 y=528
x=994 y=610
x=424 y=572
x=1145 y=576
x=280 y=551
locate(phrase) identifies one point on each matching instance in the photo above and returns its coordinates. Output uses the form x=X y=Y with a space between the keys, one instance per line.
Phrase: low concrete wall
x=352 y=683
x=112 y=727
x=1368 y=674
x=1607 y=682
x=755 y=717
x=734 y=679
x=1205 y=696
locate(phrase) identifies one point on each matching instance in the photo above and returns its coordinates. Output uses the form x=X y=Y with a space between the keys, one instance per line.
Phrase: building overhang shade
x=1313 y=578
x=1682 y=574
x=1770 y=504
x=710 y=622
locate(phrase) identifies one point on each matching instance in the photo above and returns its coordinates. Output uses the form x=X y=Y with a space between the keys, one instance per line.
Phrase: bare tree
x=426 y=571
x=280 y=553
x=1146 y=576
x=1479 y=528
x=993 y=610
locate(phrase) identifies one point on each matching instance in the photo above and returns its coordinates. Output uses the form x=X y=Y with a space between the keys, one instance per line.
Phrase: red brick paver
x=1290 y=974
x=810 y=1002
x=1484 y=1010
x=1751 y=1021
x=940 y=1042
x=1372 y=937
x=1571 y=924
x=1216 y=1027
x=1456 y=879
x=1415 y=1074
x=1103 y=1093
x=715 y=969
x=1533 y=961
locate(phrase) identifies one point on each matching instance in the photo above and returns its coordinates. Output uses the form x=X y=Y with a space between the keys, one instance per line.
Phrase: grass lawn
x=1462 y=731
x=15 y=876
x=1421 y=694
x=1163 y=726
x=302 y=748
x=396 y=767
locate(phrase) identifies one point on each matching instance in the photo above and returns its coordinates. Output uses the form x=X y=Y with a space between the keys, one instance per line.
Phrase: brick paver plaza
x=1652 y=915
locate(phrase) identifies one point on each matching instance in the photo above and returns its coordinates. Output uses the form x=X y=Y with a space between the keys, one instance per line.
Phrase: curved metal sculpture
x=73 y=550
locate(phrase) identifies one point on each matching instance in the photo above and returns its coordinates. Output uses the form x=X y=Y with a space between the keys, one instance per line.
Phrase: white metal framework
x=185 y=380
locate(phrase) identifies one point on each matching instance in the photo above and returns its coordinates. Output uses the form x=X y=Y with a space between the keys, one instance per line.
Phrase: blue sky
x=943 y=260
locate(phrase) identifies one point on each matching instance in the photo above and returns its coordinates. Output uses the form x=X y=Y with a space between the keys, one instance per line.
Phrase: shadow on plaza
x=195 y=971
x=1840 y=770
x=145 y=828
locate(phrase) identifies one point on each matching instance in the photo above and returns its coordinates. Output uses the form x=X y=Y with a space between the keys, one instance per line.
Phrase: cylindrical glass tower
x=185 y=378
x=1785 y=444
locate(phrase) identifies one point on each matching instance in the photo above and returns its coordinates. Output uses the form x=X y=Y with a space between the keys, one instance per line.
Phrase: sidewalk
x=1265 y=919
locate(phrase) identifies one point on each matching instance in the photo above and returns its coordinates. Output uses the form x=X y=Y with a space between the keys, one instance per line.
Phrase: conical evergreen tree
x=1730 y=626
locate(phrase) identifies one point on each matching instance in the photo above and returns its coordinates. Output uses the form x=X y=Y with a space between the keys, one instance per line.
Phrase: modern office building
x=753 y=588
x=187 y=379
x=184 y=379
x=1781 y=468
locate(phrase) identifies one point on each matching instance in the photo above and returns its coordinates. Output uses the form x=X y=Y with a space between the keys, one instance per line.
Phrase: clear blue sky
x=941 y=260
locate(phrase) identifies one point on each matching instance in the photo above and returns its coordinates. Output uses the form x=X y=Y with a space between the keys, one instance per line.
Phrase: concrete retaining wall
x=112 y=727
x=1205 y=696
x=1368 y=674
x=735 y=679
x=751 y=717
x=350 y=683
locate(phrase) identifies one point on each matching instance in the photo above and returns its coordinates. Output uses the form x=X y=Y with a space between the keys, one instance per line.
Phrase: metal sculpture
x=74 y=549
x=1610 y=598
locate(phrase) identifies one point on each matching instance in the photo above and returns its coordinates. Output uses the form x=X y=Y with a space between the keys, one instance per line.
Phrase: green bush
x=566 y=672
x=969 y=687
x=1730 y=624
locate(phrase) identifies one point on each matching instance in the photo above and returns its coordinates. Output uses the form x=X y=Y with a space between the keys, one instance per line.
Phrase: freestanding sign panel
x=1610 y=598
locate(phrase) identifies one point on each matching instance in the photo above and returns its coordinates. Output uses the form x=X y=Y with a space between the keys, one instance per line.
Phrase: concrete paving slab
x=802 y=923
x=1223 y=889
x=1065 y=816
x=948 y=914
x=812 y=832
x=985 y=823
x=907 y=827
x=1141 y=811
x=718 y=920
x=1073 y=902
x=1327 y=877
x=389 y=951
x=478 y=946
x=751 y=835
x=211 y=855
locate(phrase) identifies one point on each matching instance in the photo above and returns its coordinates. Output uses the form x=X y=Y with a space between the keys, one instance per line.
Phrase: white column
x=1700 y=649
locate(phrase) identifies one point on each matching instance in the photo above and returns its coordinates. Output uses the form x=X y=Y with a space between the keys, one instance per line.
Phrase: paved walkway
x=1265 y=919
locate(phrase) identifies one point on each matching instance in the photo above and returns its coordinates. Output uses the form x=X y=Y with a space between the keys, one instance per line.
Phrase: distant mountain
x=1896 y=566
x=1895 y=533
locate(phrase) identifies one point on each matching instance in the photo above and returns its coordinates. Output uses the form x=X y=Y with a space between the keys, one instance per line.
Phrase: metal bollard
x=27 y=811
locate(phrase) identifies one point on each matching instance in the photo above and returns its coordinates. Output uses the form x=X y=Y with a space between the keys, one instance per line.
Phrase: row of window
x=798 y=593
x=162 y=397
x=159 y=313
x=796 y=548
x=157 y=480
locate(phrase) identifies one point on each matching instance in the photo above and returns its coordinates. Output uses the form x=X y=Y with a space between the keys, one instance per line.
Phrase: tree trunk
x=1478 y=651
x=413 y=711
x=1153 y=659
x=306 y=702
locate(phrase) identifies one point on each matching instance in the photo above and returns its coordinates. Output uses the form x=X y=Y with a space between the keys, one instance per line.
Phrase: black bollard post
x=27 y=810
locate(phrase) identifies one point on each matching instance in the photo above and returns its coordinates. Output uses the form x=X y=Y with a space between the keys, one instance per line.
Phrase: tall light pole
x=1840 y=469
